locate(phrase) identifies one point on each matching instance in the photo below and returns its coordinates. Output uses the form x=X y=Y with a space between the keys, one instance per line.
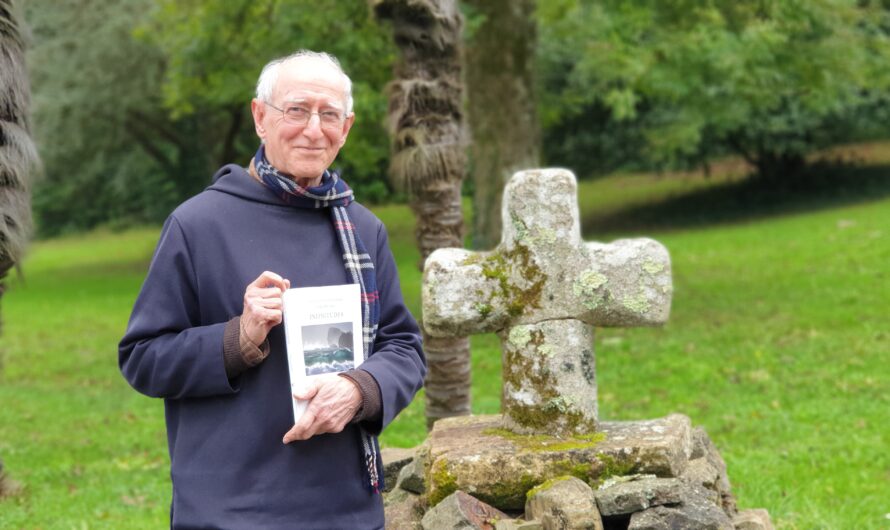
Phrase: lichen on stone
x=543 y=235
x=586 y=288
x=638 y=303
x=653 y=267
x=483 y=309
x=518 y=226
x=520 y=335
x=546 y=350
x=561 y=404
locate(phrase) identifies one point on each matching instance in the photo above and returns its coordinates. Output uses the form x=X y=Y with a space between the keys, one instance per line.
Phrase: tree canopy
x=137 y=102
x=684 y=80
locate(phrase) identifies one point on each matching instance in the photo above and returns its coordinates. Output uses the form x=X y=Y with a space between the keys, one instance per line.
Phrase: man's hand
x=262 y=306
x=334 y=400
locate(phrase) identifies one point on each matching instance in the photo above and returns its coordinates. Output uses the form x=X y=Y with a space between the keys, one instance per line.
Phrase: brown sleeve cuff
x=239 y=353
x=371 y=409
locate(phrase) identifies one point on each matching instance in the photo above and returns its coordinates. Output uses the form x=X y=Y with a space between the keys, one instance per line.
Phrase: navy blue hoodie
x=228 y=465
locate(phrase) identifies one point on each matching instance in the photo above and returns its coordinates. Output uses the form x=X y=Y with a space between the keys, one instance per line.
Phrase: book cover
x=323 y=333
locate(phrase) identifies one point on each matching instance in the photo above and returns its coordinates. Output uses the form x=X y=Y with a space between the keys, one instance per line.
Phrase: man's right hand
x=263 y=306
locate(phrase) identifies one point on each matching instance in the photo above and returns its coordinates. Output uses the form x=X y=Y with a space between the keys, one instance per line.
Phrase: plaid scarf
x=334 y=194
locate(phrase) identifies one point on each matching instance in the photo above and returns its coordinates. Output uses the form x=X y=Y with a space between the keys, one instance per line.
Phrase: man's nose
x=313 y=126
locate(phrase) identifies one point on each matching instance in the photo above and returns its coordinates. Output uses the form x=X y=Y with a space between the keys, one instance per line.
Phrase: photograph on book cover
x=322 y=328
x=328 y=348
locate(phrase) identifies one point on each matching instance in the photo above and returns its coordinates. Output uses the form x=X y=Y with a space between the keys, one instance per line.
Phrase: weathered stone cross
x=542 y=289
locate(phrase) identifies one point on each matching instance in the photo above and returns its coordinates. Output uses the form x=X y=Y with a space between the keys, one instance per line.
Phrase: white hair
x=269 y=76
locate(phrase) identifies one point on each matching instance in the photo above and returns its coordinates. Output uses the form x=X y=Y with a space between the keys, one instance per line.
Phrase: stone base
x=476 y=454
x=640 y=475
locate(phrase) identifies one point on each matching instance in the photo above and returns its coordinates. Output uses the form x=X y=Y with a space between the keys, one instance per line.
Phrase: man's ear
x=346 y=126
x=258 y=110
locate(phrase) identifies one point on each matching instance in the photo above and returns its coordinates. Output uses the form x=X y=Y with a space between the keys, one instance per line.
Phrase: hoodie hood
x=235 y=180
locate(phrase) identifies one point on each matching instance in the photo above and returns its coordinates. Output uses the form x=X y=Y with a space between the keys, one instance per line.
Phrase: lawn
x=777 y=345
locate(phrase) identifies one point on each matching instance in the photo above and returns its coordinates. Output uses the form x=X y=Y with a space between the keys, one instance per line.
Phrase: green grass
x=777 y=345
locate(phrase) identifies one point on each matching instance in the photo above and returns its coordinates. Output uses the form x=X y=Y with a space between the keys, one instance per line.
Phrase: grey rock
x=518 y=524
x=703 y=447
x=638 y=495
x=411 y=478
x=476 y=454
x=701 y=473
x=564 y=503
x=403 y=510
x=460 y=511
x=695 y=512
x=394 y=459
x=549 y=378
x=621 y=479
x=755 y=519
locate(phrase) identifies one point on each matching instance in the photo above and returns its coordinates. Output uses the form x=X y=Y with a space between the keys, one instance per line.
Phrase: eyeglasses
x=296 y=115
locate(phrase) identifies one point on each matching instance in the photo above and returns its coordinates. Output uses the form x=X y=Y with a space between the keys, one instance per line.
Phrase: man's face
x=304 y=151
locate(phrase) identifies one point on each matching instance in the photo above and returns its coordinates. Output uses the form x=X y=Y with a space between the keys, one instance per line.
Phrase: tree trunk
x=428 y=161
x=501 y=109
x=17 y=154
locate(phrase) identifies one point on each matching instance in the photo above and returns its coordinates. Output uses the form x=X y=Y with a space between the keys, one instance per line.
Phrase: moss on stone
x=472 y=259
x=552 y=411
x=442 y=482
x=518 y=262
x=612 y=468
x=580 y=470
x=545 y=442
x=508 y=493
x=547 y=484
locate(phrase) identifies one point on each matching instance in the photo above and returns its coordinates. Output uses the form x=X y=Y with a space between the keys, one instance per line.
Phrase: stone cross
x=542 y=289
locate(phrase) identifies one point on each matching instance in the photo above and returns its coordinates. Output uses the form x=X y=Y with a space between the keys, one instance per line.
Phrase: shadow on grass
x=823 y=187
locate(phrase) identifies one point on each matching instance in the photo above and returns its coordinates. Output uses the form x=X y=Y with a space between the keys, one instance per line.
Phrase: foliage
x=685 y=80
x=215 y=50
x=109 y=151
x=138 y=102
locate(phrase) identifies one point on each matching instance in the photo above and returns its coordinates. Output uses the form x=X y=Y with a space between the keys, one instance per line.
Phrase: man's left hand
x=334 y=401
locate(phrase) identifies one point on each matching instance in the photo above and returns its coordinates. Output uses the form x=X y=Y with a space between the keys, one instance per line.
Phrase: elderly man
x=214 y=349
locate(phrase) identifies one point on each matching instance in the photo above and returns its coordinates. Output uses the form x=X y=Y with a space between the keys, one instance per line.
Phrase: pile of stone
x=644 y=475
x=548 y=461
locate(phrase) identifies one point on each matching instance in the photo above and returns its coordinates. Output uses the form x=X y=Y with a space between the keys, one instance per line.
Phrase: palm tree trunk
x=17 y=155
x=428 y=161
x=503 y=121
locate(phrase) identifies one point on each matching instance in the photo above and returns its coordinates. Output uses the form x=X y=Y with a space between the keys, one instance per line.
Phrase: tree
x=215 y=50
x=138 y=102
x=18 y=158
x=110 y=150
x=428 y=160
x=501 y=105
x=771 y=81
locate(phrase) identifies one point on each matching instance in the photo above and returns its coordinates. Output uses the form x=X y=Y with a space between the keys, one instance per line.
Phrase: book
x=323 y=333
